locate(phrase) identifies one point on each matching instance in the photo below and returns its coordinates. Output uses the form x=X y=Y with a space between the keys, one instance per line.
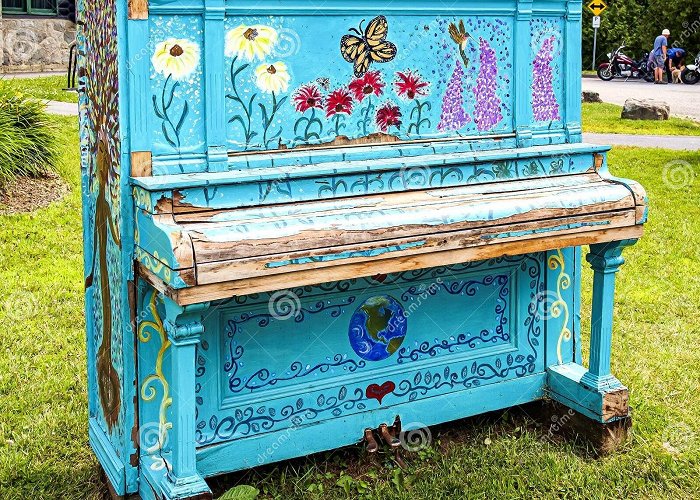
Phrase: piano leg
x=175 y=368
x=595 y=393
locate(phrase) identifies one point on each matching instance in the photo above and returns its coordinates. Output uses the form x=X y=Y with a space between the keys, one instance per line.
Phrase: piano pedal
x=388 y=436
x=399 y=459
x=370 y=442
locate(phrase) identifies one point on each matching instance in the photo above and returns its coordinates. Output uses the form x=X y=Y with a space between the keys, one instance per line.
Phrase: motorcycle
x=691 y=73
x=620 y=65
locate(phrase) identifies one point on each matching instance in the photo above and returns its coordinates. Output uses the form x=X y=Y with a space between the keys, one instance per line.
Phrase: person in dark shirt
x=675 y=60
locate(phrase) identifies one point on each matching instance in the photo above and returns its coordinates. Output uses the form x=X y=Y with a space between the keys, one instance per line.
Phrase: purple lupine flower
x=544 y=102
x=487 y=111
x=453 y=116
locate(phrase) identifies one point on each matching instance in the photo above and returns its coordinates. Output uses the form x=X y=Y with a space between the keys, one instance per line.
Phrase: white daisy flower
x=176 y=57
x=272 y=77
x=250 y=42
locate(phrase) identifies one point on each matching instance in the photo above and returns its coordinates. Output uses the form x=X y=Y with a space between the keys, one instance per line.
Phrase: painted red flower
x=339 y=101
x=307 y=97
x=388 y=115
x=370 y=83
x=410 y=85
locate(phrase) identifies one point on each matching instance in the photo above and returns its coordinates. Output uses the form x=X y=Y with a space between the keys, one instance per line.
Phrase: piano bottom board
x=285 y=374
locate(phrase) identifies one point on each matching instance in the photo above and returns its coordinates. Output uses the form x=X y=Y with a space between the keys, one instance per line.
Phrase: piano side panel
x=107 y=239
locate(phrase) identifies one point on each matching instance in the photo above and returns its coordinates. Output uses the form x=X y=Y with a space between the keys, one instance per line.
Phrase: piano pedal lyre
x=370 y=442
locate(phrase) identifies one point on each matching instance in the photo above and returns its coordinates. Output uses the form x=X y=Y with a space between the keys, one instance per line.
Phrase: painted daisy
x=176 y=57
x=272 y=77
x=250 y=42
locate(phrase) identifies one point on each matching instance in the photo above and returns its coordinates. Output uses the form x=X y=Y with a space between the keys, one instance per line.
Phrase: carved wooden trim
x=138 y=9
x=141 y=164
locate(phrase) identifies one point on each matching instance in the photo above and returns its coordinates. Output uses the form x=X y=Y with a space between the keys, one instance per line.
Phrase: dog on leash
x=677 y=75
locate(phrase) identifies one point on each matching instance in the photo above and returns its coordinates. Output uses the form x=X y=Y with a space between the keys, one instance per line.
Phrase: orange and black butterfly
x=371 y=46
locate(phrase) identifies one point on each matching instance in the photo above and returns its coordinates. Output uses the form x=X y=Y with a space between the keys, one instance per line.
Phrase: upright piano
x=312 y=223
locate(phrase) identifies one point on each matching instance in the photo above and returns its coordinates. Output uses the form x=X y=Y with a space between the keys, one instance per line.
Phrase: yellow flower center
x=251 y=34
x=176 y=51
x=272 y=70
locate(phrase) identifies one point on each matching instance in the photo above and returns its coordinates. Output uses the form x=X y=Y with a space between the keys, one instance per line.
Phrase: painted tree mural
x=487 y=110
x=544 y=102
x=453 y=116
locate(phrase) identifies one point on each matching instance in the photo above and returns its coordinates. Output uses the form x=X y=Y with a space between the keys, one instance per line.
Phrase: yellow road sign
x=597 y=7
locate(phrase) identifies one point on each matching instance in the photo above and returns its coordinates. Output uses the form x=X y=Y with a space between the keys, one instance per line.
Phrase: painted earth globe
x=377 y=328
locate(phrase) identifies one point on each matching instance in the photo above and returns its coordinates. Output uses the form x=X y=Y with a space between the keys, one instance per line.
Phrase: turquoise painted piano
x=311 y=223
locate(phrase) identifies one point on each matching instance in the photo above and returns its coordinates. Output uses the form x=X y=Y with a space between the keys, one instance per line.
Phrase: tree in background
x=637 y=23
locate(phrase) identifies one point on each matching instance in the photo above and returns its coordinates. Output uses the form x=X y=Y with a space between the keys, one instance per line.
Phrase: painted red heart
x=381 y=278
x=379 y=392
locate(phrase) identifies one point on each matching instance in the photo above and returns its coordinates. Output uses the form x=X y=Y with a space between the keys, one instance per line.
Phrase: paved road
x=678 y=143
x=683 y=99
x=62 y=108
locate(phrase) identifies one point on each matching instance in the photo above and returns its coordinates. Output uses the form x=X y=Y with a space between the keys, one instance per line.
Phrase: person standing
x=658 y=56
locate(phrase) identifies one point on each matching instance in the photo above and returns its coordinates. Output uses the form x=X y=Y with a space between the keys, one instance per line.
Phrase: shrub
x=27 y=136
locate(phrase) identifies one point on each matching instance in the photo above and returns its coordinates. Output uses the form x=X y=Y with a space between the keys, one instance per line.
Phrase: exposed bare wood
x=138 y=9
x=562 y=422
x=598 y=160
x=141 y=164
x=214 y=272
x=384 y=266
x=616 y=404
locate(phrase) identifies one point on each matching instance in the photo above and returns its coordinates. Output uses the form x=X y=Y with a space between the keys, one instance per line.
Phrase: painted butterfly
x=364 y=49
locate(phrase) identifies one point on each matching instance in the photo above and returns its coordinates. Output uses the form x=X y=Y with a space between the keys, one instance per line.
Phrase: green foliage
x=27 y=136
x=605 y=119
x=49 y=88
x=44 y=451
x=241 y=492
x=638 y=23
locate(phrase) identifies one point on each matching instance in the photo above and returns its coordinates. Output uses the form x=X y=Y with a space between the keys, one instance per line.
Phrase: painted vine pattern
x=254 y=419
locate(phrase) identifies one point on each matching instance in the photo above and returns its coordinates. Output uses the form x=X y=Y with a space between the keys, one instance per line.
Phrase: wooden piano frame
x=288 y=248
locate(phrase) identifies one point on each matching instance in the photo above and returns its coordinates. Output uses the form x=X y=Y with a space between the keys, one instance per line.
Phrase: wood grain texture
x=386 y=266
x=141 y=164
x=138 y=9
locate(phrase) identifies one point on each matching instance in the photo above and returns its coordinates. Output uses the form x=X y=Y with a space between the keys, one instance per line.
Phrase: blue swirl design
x=264 y=377
x=474 y=374
x=252 y=420
x=469 y=288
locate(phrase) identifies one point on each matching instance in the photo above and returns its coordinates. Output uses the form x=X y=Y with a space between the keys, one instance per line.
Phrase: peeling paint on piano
x=352 y=213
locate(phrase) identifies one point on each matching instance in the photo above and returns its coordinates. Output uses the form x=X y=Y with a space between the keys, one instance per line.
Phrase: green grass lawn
x=605 y=118
x=49 y=87
x=44 y=450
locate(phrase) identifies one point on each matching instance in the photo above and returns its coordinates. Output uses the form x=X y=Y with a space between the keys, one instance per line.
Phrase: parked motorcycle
x=691 y=73
x=620 y=65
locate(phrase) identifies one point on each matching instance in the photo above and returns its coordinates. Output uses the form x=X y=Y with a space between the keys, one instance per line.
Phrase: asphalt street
x=683 y=99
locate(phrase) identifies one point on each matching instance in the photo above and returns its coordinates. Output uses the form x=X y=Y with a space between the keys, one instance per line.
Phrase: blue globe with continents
x=377 y=328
